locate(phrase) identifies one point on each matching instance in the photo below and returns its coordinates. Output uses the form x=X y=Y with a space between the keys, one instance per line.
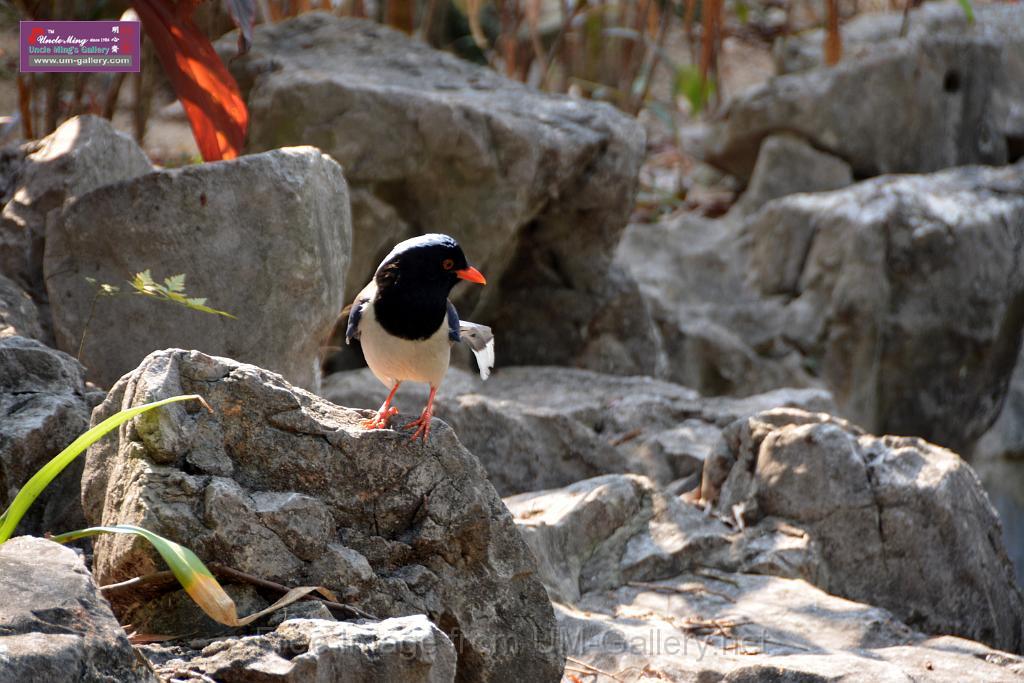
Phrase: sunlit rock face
x=537 y=188
x=283 y=485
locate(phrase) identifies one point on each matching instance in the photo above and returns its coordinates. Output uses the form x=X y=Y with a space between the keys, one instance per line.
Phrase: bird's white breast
x=394 y=359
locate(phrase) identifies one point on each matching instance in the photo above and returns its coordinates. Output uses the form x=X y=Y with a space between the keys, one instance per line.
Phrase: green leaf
x=197 y=301
x=968 y=10
x=41 y=479
x=742 y=12
x=194 y=576
x=176 y=283
x=688 y=83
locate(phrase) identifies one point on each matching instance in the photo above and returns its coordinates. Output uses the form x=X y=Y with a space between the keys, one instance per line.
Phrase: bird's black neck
x=410 y=312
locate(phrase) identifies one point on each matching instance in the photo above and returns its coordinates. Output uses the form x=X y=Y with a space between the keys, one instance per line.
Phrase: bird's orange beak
x=472 y=274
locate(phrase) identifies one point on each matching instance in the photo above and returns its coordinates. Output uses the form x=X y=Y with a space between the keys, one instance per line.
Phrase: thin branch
x=159 y=579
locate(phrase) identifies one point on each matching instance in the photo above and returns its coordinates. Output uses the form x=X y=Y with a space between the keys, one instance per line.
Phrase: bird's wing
x=453 y=324
x=356 y=312
x=480 y=340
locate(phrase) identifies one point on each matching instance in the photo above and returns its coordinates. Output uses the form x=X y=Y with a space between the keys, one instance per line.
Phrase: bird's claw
x=381 y=420
x=422 y=427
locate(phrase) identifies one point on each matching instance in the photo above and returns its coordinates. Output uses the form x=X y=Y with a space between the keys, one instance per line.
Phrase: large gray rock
x=720 y=336
x=84 y=153
x=45 y=406
x=536 y=427
x=900 y=523
x=906 y=293
x=265 y=237
x=938 y=99
x=18 y=313
x=54 y=625
x=537 y=188
x=785 y=165
x=284 y=485
x=401 y=650
x=644 y=582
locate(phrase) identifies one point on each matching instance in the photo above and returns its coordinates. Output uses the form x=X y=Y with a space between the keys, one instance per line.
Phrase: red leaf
x=209 y=94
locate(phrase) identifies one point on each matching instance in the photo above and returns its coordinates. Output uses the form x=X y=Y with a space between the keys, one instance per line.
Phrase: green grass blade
x=192 y=574
x=41 y=479
x=968 y=10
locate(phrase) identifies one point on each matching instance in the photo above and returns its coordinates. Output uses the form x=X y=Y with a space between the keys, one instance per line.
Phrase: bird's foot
x=381 y=420
x=422 y=426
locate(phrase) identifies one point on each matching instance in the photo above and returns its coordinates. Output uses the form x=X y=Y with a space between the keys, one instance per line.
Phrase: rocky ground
x=714 y=448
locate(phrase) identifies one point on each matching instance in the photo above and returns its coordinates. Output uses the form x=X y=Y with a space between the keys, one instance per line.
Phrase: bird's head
x=428 y=261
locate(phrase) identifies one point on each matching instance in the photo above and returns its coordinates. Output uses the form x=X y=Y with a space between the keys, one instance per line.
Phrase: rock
x=54 y=625
x=18 y=314
x=919 y=105
x=900 y=523
x=542 y=427
x=266 y=237
x=537 y=188
x=281 y=484
x=786 y=164
x=642 y=581
x=44 y=404
x=402 y=650
x=84 y=153
x=720 y=336
x=747 y=628
x=1005 y=438
x=906 y=293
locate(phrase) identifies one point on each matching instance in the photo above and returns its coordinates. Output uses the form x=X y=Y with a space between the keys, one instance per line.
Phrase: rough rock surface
x=645 y=583
x=536 y=427
x=900 y=523
x=938 y=99
x=44 y=406
x=284 y=485
x=907 y=292
x=721 y=337
x=785 y=165
x=54 y=625
x=84 y=153
x=18 y=314
x=265 y=237
x=402 y=650
x=537 y=188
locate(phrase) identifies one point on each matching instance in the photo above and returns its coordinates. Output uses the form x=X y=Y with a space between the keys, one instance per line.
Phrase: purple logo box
x=80 y=46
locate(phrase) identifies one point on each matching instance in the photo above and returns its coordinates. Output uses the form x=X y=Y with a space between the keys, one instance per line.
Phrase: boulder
x=906 y=293
x=18 y=314
x=720 y=336
x=900 y=523
x=401 y=650
x=265 y=237
x=642 y=581
x=54 y=625
x=538 y=427
x=785 y=165
x=84 y=153
x=935 y=100
x=536 y=187
x=284 y=485
x=45 y=406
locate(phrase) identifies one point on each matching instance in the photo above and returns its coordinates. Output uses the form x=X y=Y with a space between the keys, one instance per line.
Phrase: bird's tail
x=480 y=340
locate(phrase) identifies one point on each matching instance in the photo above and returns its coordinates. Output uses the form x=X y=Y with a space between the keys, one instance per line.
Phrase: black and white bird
x=406 y=324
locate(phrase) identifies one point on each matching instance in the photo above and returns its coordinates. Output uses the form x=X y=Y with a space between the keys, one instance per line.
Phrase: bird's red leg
x=384 y=415
x=423 y=423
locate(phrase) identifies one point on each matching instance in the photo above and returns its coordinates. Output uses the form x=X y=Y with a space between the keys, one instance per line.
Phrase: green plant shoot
x=197 y=580
x=41 y=479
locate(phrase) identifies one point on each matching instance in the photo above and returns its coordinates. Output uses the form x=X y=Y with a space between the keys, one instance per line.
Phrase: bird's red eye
x=447 y=264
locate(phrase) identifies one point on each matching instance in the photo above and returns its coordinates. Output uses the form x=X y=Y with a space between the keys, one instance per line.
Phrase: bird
x=406 y=324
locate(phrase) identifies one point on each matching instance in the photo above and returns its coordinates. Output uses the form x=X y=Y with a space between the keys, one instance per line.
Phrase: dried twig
x=592 y=668
x=159 y=579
